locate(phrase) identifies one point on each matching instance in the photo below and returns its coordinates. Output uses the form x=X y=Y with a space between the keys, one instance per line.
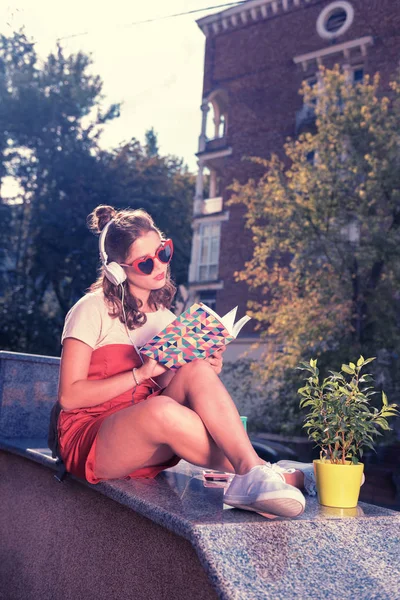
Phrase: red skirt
x=77 y=428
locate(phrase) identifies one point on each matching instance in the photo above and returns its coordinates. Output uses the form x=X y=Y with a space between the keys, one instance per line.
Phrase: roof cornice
x=245 y=13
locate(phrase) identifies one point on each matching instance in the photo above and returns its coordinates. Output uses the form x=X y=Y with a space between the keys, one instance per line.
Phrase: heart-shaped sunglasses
x=145 y=265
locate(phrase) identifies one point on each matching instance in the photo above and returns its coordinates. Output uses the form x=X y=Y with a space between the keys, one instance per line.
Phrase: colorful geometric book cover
x=196 y=333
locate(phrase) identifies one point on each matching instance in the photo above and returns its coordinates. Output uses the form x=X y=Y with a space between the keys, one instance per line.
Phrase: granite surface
x=325 y=553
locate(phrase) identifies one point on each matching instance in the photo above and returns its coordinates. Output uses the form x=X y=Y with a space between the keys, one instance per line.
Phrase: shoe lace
x=277 y=469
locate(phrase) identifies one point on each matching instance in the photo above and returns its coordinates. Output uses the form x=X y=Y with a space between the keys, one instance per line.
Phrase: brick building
x=257 y=55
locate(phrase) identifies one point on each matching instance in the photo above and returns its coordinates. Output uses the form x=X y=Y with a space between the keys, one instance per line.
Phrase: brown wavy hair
x=127 y=226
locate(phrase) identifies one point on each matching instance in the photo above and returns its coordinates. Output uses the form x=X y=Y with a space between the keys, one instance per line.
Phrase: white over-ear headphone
x=113 y=271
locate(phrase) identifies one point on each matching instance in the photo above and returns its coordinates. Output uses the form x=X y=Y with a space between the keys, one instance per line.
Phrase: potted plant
x=342 y=422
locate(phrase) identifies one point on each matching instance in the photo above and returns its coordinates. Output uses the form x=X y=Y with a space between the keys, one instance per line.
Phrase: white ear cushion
x=114 y=273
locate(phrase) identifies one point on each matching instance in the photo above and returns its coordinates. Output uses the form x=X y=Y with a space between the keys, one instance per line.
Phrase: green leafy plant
x=340 y=419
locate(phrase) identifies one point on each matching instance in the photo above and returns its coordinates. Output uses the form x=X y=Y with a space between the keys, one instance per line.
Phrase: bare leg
x=296 y=479
x=151 y=432
x=197 y=386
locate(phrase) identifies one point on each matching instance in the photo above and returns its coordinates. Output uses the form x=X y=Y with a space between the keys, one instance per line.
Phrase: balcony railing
x=215 y=144
x=212 y=205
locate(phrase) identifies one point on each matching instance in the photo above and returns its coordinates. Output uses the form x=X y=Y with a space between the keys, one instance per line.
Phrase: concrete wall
x=63 y=541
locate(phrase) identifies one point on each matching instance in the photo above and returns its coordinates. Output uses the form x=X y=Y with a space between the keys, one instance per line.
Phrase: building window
x=211 y=119
x=222 y=126
x=217 y=125
x=209 y=297
x=335 y=19
x=305 y=117
x=211 y=183
x=310 y=157
x=358 y=74
x=312 y=82
x=209 y=251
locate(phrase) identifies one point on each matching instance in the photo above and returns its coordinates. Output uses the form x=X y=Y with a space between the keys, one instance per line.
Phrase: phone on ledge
x=216 y=476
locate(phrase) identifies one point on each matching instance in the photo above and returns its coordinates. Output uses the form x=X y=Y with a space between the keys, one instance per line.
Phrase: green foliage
x=151 y=143
x=325 y=269
x=340 y=419
x=163 y=186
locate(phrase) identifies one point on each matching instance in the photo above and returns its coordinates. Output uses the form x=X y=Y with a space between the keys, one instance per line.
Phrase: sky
x=154 y=69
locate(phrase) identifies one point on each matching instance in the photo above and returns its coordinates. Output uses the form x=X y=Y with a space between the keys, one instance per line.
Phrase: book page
x=228 y=320
x=240 y=324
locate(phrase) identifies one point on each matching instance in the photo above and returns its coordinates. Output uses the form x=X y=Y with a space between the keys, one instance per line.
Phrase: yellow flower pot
x=338 y=485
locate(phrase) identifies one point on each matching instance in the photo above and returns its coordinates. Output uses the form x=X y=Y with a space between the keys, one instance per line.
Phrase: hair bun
x=99 y=218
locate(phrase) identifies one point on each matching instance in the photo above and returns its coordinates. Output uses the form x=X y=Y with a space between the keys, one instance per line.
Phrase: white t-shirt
x=88 y=320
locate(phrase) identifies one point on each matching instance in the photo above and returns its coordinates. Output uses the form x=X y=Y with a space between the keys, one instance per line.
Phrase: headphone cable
x=127 y=331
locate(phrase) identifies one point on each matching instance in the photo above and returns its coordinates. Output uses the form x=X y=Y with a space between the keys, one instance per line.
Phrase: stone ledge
x=24 y=357
x=325 y=553
x=28 y=390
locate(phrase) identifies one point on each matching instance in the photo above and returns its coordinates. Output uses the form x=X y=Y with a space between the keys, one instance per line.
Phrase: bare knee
x=194 y=374
x=165 y=416
x=197 y=367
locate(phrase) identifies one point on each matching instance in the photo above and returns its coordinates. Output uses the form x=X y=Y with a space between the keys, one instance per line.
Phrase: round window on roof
x=335 y=19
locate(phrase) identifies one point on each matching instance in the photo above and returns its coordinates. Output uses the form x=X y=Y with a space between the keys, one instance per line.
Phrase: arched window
x=217 y=119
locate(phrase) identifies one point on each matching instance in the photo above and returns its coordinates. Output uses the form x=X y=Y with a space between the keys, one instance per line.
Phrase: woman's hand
x=150 y=368
x=216 y=360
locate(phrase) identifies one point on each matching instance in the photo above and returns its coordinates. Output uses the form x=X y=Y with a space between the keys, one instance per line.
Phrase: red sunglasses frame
x=135 y=264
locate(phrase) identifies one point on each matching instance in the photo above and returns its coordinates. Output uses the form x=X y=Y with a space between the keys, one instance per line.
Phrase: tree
x=164 y=187
x=51 y=118
x=326 y=228
x=151 y=142
x=53 y=153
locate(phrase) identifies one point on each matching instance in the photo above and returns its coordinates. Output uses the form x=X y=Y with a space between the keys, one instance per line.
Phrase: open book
x=196 y=333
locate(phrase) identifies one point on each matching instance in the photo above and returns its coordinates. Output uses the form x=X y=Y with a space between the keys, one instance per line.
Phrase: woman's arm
x=76 y=391
x=164 y=379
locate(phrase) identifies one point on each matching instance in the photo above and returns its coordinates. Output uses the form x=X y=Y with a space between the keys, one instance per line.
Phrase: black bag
x=52 y=442
x=52 y=439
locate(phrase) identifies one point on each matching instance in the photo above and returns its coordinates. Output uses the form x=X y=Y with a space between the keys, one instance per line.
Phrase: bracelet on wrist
x=134 y=376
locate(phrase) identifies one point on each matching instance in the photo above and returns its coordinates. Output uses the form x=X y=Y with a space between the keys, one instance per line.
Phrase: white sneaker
x=310 y=485
x=263 y=490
